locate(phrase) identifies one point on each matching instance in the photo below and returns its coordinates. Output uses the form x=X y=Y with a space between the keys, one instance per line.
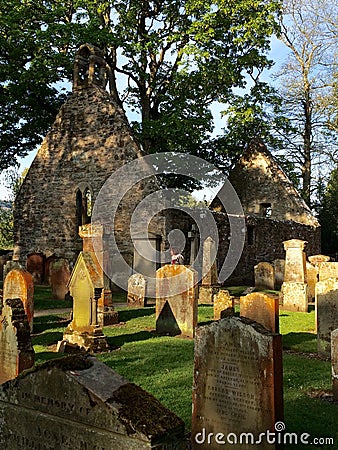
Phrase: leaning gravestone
x=261 y=308
x=19 y=284
x=136 y=291
x=78 y=403
x=176 y=300
x=238 y=384
x=326 y=314
x=264 y=276
x=223 y=304
x=16 y=352
x=334 y=362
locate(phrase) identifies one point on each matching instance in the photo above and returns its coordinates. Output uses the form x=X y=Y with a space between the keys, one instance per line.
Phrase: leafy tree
x=174 y=58
x=305 y=80
x=328 y=215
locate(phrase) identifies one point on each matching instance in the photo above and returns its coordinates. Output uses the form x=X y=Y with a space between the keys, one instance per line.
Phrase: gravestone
x=10 y=265
x=328 y=270
x=209 y=267
x=295 y=261
x=176 y=300
x=261 y=308
x=315 y=260
x=279 y=266
x=294 y=297
x=79 y=403
x=294 y=290
x=326 y=314
x=238 y=383
x=35 y=266
x=206 y=294
x=16 y=351
x=19 y=284
x=223 y=304
x=86 y=288
x=334 y=362
x=136 y=291
x=264 y=276
x=59 y=275
x=312 y=279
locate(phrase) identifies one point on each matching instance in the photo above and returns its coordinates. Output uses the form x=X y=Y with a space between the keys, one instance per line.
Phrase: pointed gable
x=264 y=189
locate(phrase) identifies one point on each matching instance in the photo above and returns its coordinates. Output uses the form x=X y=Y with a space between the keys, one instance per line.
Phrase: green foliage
x=174 y=58
x=6 y=228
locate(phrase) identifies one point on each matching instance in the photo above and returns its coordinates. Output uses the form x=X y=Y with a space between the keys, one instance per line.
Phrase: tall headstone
x=295 y=261
x=264 y=276
x=79 y=403
x=326 y=314
x=209 y=266
x=279 y=266
x=328 y=270
x=19 y=284
x=176 y=300
x=294 y=290
x=238 y=384
x=261 y=308
x=223 y=304
x=59 y=275
x=334 y=362
x=35 y=266
x=16 y=351
x=136 y=291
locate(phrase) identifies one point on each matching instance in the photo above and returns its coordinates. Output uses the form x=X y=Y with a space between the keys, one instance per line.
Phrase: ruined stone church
x=89 y=140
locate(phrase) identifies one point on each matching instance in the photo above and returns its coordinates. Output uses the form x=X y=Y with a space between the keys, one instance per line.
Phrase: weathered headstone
x=294 y=291
x=334 y=362
x=279 y=266
x=295 y=261
x=294 y=297
x=264 y=276
x=206 y=294
x=10 y=265
x=19 y=284
x=136 y=291
x=16 y=351
x=326 y=314
x=79 y=403
x=86 y=288
x=209 y=267
x=35 y=266
x=176 y=300
x=315 y=260
x=238 y=384
x=261 y=308
x=59 y=275
x=312 y=279
x=328 y=270
x=223 y=304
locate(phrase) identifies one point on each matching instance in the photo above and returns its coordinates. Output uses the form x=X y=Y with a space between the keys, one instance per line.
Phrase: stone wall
x=263 y=242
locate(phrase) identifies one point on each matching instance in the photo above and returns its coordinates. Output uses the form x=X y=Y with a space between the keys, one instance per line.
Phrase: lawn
x=164 y=365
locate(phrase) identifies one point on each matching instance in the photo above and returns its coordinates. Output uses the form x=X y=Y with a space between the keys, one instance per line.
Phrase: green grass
x=43 y=299
x=164 y=365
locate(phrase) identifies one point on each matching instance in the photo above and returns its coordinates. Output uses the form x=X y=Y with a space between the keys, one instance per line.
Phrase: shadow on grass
x=118 y=341
x=41 y=324
x=308 y=341
x=42 y=357
x=128 y=314
x=47 y=338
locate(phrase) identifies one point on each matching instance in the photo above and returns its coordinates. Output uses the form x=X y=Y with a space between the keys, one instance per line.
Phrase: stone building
x=274 y=212
x=89 y=139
